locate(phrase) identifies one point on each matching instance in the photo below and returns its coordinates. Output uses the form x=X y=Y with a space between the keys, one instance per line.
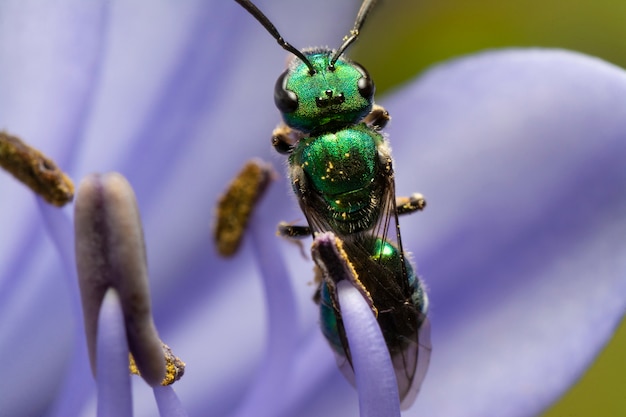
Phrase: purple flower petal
x=113 y=378
x=77 y=384
x=520 y=155
x=50 y=58
x=373 y=371
x=49 y=55
x=168 y=402
x=282 y=316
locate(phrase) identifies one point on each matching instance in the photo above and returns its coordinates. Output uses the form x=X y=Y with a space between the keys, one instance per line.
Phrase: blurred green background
x=434 y=31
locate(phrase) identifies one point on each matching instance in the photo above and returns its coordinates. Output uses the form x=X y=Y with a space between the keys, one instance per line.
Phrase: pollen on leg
x=413 y=203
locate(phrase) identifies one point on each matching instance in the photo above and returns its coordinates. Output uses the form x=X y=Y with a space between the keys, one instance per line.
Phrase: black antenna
x=258 y=15
x=366 y=8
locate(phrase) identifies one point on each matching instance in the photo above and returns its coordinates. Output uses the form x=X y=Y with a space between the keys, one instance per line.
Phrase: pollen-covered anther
x=236 y=205
x=110 y=253
x=35 y=170
x=174 y=366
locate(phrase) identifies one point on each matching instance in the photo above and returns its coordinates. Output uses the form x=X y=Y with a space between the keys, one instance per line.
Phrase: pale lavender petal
x=282 y=330
x=315 y=367
x=48 y=56
x=521 y=157
x=28 y=301
x=77 y=383
x=373 y=371
x=113 y=378
x=168 y=402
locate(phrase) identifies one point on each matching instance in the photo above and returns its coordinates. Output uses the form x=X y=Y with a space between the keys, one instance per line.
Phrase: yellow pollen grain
x=174 y=366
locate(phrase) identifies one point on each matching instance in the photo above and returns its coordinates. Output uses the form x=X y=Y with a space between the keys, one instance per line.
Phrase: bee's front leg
x=377 y=118
x=285 y=138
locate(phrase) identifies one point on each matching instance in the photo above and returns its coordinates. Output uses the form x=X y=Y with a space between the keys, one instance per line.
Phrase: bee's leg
x=292 y=231
x=377 y=118
x=411 y=204
x=284 y=139
x=317 y=297
x=295 y=234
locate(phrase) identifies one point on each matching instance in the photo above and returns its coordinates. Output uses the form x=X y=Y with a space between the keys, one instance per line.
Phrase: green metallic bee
x=341 y=171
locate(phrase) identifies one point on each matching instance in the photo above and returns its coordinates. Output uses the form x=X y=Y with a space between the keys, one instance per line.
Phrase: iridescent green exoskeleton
x=341 y=171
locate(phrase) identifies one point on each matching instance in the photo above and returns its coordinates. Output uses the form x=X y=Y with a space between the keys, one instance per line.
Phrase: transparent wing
x=411 y=366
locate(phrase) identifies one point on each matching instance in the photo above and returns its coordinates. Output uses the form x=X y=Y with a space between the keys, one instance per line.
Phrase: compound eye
x=285 y=100
x=365 y=84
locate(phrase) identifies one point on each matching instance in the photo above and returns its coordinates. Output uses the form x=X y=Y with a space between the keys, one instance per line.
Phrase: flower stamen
x=174 y=366
x=110 y=253
x=236 y=205
x=35 y=170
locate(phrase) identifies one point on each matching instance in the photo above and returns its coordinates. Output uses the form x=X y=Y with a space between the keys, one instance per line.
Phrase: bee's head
x=319 y=93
